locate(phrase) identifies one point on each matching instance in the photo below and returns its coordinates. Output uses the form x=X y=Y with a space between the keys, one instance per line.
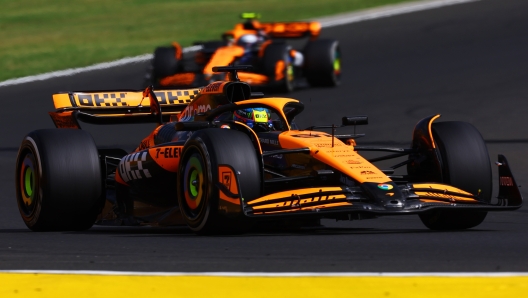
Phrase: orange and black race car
x=276 y=65
x=223 y=158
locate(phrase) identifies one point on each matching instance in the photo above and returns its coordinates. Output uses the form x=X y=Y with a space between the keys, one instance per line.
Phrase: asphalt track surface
x=467 y=62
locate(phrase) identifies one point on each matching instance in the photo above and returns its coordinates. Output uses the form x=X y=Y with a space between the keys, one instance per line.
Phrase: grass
x=45 y=35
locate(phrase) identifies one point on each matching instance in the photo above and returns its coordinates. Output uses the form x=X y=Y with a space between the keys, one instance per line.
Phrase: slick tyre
x=58 y=180
x=322 y=63
x=164 y=63
x=466 y=165
x=277 y=65
x=198 y=193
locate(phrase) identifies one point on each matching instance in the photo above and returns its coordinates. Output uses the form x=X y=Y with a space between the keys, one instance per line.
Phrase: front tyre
x=198 y=195
x=58 y=180
x=466 y=165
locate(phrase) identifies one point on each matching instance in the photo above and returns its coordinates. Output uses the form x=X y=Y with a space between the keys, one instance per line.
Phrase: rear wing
x=292 y=29
x=276 y=29
x=117 y=107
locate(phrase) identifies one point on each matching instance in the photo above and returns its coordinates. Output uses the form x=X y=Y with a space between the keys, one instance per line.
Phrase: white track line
x=386 y=11
x=274 y=274
x=337 y=20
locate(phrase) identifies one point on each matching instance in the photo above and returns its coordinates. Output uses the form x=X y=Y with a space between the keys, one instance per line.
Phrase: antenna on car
x=232 y=70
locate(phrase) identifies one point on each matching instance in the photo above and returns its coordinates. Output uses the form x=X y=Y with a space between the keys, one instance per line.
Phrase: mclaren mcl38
x=277 y=65
x=223 y=158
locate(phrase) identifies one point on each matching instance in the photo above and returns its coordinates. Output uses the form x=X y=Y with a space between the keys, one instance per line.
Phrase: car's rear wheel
x=58 y=180
x=466 y=165
x=198 y=193
x=277 y=65
x=164 y=63
x=322 y=63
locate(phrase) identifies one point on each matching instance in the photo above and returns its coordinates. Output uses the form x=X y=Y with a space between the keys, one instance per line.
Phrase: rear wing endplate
x=509 y=193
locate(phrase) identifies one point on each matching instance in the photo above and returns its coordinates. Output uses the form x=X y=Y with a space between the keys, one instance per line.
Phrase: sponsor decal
x=226 y=179
x=368 y=173
x=439 y=195
x=505 y=181
x=326 y=145
x=269 y=141
x=296 y=166
x=260 y=116
x=144 y=145
x=169 y=152
x=102 y=99
x=176 y=97
x=118 y=99
x=190 y=111
x=360 y=167
x=131 y=167
x=385 y=186
x=213 y=87
x=353 y=162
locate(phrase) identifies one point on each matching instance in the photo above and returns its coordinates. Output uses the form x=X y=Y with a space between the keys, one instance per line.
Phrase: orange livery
x=277 y=66
x=224 y=157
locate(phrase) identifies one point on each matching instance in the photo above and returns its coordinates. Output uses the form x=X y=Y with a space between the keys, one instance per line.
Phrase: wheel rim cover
x=27 y=184
x=194 y=176
x=289 y=71
x=337 y=63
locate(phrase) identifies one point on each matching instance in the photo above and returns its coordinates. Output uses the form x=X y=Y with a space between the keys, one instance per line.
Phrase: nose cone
x=387 y=195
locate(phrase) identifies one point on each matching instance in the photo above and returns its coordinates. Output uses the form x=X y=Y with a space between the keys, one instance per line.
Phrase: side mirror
x=354 y=120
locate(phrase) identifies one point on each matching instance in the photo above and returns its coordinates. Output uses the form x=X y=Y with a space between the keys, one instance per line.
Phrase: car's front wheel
x=466 y=165
x=198 y=178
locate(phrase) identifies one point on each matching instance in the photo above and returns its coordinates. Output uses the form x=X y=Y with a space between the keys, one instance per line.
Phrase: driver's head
x=253 y=117
x=247 y=40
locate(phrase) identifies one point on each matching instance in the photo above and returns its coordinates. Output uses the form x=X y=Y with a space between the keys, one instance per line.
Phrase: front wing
x=376 y=199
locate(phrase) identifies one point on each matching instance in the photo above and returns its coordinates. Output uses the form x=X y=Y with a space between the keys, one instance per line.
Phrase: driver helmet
x=247 y=40
x=253 y=116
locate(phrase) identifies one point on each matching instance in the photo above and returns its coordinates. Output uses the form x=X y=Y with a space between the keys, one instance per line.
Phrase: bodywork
x=308 y=173
x=195 y=66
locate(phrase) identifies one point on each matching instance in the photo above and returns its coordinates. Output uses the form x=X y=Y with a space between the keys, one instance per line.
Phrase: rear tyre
x=277 y=66
x=164 y=63
x=198 y=195
x=58 y=180
x=322 y=63
x=466 y=165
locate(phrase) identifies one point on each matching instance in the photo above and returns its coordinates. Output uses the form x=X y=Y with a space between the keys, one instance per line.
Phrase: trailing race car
x=223 y=157
x=276 y=65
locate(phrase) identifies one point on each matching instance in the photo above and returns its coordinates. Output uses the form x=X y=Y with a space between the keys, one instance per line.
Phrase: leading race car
x=223 y=158
x=276 y=65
